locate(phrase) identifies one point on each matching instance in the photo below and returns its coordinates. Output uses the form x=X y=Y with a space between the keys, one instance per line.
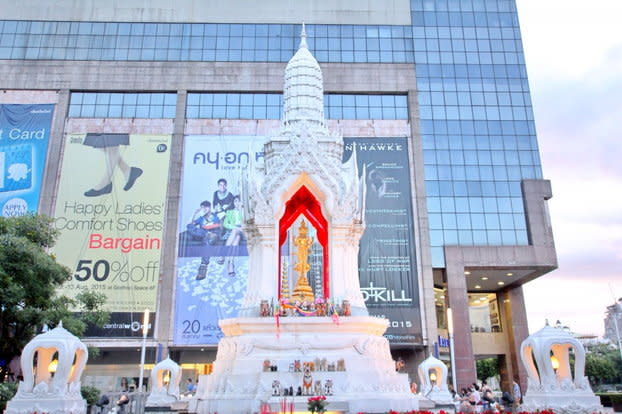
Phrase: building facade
x=154 y=106
x=613 y=322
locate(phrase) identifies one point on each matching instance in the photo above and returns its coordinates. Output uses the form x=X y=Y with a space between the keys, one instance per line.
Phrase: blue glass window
x=201 y=42
x=122 y=105
x=268 y=106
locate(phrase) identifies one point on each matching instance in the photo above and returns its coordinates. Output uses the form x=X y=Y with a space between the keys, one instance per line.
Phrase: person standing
x=516 y=393
x=190 y=387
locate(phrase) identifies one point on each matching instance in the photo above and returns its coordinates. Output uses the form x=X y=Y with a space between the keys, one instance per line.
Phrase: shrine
x=433 y=376
x=552 y=381
x=52 y=363
x=165 y=378
x=304 y=329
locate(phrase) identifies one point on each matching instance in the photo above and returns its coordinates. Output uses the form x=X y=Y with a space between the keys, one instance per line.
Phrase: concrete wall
x=386 y=12
x=28 y=97
x=197 y=76
x=493 y=343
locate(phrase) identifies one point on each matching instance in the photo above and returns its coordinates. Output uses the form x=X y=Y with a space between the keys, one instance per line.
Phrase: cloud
x=566 y=39
x=578 y=123
x=581 y=305
x=574 y=61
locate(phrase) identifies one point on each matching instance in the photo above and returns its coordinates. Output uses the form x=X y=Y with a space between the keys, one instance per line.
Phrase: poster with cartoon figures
x=24 y=137
x=110 y=212
x=212 y=263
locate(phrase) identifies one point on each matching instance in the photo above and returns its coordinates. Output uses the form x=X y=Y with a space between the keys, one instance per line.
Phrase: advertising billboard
x=24 y=137
x=212 y=264
x=110 y=213
x=387 y=258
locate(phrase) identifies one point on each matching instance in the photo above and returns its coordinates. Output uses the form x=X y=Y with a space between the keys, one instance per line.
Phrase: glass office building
x=446 y=78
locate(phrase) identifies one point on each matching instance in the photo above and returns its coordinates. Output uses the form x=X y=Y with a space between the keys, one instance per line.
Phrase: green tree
x=599 y=369
x=29 y=281
x=487 y=368
x=603 y=364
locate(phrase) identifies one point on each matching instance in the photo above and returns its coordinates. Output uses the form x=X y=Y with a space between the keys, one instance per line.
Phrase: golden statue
x=303 y=242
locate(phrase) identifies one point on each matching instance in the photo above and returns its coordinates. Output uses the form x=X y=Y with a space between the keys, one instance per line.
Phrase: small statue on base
x=317 y=388
x=320 y=307
x=264 y=308
x=276 y=388
x=328 y=387
x=307 y=380
x=345 y=308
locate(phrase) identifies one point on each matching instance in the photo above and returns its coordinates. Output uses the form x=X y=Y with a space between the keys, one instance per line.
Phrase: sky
x=573 y=53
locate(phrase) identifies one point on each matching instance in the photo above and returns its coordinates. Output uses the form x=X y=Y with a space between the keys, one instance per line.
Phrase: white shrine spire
x=303 y=91
x=303 y=38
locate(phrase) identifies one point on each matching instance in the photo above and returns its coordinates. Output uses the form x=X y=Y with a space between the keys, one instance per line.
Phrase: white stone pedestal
x=369 y=383
x=560 y=402
x=46 y=405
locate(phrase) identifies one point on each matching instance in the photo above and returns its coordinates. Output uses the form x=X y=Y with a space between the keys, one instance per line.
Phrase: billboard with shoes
x=110 y=212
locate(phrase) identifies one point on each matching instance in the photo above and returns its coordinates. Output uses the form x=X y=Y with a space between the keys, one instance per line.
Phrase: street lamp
x=554 y=363
x=452 y=357
x=142 y=350
x=53 y=366
x=433 y=378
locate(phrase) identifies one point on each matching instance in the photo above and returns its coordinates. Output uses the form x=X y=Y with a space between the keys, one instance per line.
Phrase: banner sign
x=24 y=136
x=212 y=264
x=110 y=212
x=387 y=260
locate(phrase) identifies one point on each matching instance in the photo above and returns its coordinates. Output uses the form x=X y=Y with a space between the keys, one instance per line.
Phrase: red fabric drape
x=304 y=202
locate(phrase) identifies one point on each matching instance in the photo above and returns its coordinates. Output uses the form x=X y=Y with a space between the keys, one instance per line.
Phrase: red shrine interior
x=303 y=202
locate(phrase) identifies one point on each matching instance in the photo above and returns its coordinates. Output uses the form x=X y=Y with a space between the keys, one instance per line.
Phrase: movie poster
x=212 y=264
x=24 y=137
x=110 y=213
x=387 y=266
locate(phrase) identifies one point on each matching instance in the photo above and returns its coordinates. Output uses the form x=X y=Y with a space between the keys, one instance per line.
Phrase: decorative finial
x=303 y=38
x=546 y=322
x=60 y=324
x=303 y=229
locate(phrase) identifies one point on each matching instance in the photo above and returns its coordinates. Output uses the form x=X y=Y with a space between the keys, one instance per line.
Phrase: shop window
x=484 y=312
